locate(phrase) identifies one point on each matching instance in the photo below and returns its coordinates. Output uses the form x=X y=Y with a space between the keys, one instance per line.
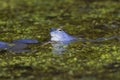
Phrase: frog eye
x=59 y=29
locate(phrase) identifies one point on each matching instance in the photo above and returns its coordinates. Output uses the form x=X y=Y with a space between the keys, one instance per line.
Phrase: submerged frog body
x=4 y=45
x=17 y=46
x=26 y=41
x=59 y=35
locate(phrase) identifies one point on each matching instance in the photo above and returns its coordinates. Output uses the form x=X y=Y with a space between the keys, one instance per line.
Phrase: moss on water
x=90 y=19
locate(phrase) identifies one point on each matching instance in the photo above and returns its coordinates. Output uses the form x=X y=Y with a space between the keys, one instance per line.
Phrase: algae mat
x=90 y=19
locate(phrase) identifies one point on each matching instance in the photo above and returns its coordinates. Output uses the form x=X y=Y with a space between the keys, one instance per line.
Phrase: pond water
x=89 y=49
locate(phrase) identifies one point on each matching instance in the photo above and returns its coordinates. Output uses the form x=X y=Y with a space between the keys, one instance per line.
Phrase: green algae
x=83 y=60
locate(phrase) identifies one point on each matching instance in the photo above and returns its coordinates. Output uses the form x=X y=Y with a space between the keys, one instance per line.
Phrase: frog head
x=59 y=35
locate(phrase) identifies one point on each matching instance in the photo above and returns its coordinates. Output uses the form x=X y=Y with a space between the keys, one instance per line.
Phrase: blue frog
x=59 y=35
x=26 y=41
x=60 y=39
x=4 y=45
x=17 y=46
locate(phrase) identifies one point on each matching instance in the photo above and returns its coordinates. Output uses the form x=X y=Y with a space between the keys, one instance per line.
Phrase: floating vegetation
x=87 y=19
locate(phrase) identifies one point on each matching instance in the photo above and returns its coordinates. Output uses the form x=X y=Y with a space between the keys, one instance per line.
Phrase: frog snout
x=53 y=29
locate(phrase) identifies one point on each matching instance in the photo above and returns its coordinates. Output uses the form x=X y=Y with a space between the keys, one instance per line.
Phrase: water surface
x=91 y=20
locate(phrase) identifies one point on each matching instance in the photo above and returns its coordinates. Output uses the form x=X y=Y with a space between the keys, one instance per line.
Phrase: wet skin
x=60 y=39
x=59 y=35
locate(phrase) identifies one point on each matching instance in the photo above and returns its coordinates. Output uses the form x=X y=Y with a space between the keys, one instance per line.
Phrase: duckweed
x=82 y=60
